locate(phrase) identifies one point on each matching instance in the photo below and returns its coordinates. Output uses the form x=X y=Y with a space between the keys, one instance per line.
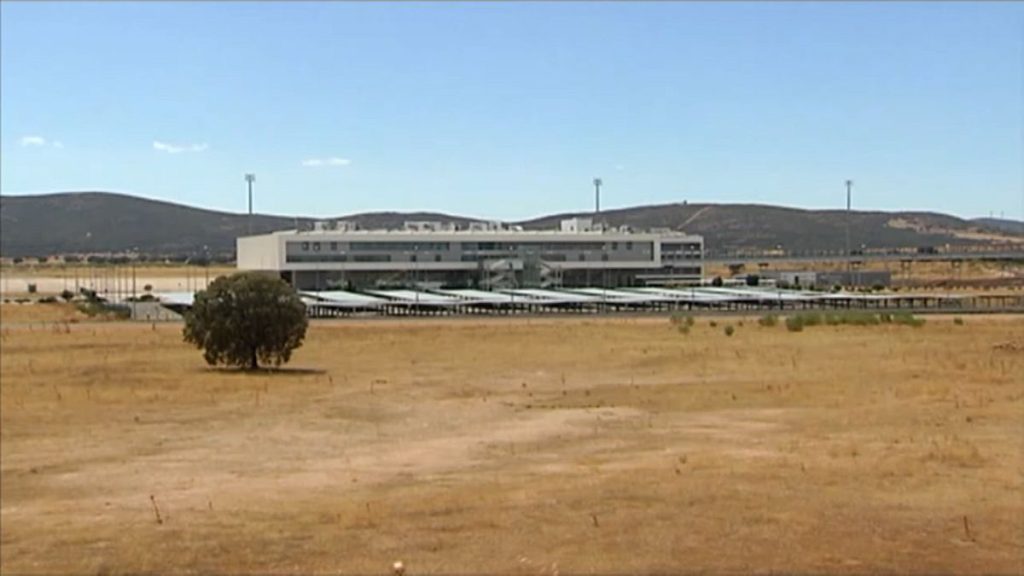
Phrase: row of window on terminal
x=550 y=257
x=471 y=246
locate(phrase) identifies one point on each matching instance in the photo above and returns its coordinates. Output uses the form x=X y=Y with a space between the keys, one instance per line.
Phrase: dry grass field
x=518 y=446
x=34 y=312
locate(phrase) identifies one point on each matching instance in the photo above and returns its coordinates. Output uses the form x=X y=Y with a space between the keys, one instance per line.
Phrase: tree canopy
x=246 y=318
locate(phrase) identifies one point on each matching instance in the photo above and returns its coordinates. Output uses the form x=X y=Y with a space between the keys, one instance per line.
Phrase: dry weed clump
x=797 y=322
x=1008 y=347
x=955 y=451
x=682 y=322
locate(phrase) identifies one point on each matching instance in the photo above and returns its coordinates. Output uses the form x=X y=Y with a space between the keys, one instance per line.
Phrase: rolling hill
x=98 y=222
x=1001 y=224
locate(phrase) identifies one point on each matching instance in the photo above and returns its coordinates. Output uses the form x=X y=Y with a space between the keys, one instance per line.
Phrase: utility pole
x=849 y=262
x=249 y=179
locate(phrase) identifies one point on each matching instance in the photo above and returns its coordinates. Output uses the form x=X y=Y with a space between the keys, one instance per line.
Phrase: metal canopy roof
x=688 y=295
x=470 y=296
x=622 y=297
x=540 y=296
x=417 y=298
x=344 y=299
x=523 y=297
x=176 y=298
x=769 y=294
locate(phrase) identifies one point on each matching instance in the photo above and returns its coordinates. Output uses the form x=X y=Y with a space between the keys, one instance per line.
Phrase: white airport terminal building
x=482 y=255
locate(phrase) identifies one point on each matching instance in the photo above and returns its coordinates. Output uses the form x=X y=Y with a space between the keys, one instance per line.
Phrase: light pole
x=604 y=275
x=597 y=196
x=135 y=295
x=416 y=273
x=249 y=179
x=849 y=263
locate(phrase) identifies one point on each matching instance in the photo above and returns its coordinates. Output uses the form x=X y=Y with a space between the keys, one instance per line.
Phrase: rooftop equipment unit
x=577 y=225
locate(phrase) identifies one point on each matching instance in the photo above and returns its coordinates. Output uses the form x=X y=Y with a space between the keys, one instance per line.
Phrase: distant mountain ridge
x=1001 y=224
x=99 y=222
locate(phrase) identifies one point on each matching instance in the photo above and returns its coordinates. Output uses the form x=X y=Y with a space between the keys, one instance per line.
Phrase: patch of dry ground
x=53 y=278
x=918 y=272
x=518 y=446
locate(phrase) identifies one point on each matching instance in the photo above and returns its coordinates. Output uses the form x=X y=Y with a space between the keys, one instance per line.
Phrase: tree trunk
x=253 y=364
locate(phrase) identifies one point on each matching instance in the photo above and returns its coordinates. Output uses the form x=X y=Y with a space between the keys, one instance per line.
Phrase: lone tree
x=246 y=318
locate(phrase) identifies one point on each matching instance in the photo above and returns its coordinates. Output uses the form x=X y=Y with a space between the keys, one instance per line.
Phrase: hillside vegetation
x=88 y=222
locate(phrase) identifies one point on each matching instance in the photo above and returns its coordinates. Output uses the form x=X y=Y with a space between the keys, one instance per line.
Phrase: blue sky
x=508 y=110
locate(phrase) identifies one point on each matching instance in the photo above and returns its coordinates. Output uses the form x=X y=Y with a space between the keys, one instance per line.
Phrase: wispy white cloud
x=39 y=142
x=33 y=141
x=178 y=148
x=319 y=162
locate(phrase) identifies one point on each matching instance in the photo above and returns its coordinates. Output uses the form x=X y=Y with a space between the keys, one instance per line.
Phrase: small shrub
x=48 y=300
x=96 y=308
x=907 y=319
x=729 y=330
x=31 y=288
x=148 y=288
x=958 y=321
x=795 y=323
x=885 y=318
x=683 y=329
x=713 y=324
x=67 y=295
x=858 y=318
x=811 y=318
x=89 y=295
x=681 y=319
x=768 y=320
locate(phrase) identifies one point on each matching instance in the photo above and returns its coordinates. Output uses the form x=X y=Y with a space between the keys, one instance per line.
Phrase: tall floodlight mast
x=849 y=262
x=249 y=179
